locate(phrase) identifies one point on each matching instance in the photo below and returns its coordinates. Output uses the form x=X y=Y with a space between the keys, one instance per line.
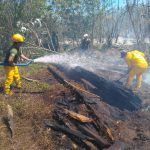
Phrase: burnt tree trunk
x=111 y=92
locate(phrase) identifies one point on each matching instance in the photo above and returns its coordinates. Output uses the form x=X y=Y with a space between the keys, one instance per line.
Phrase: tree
x=13 y=11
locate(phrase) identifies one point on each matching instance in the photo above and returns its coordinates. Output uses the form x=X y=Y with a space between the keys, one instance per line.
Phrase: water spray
x=91 y=60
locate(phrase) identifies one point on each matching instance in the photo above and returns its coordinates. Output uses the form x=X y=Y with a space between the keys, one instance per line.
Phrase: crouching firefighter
x=12 y=57
x=137 y=65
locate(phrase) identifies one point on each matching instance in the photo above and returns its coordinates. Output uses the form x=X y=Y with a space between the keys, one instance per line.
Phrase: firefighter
x=12 y=57
x=85 y=43
x=137 y=65
x=55 y=42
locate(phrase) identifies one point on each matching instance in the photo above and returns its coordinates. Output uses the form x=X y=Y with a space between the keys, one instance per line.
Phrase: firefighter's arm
x=129 y=63
x=24 y=57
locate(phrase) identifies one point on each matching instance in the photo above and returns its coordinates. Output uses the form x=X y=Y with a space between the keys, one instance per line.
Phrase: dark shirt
x=85 y=44
x=14 y=52
x=55 y=43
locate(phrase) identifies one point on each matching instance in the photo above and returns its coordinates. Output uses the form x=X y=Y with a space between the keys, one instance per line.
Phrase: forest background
x=108 y=22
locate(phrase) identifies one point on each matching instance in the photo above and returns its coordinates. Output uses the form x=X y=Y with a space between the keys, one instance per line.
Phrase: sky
x=123 y=2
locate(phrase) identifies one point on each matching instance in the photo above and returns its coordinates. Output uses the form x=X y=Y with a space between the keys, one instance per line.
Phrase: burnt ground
x=35 y=103
x=134 y=130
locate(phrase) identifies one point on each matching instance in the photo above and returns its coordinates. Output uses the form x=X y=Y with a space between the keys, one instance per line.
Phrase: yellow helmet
x=17 y=38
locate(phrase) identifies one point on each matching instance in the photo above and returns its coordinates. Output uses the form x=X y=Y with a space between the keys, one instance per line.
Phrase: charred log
x=75 y=135
x=111 y=92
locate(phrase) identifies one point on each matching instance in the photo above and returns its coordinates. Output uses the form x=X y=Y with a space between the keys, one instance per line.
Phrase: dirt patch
x=30 y=107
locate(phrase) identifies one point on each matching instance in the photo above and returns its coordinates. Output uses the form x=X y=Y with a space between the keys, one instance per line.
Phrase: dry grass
x=29 y=110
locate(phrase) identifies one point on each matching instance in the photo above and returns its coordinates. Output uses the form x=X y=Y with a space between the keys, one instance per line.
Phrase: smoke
x=146 y=76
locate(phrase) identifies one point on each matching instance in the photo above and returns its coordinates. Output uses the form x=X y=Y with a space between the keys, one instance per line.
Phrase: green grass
x=32 y=69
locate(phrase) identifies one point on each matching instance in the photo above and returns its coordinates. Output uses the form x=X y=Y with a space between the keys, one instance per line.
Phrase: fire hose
x=18 y=64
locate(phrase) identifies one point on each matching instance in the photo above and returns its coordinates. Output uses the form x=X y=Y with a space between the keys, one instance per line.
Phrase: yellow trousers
x=138 y=73
x=12 y=74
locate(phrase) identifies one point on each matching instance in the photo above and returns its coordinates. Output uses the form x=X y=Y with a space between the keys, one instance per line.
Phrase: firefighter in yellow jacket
x=12 y=57
x=137 y=65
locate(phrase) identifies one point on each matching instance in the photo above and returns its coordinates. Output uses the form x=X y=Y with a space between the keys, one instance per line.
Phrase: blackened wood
x=68 y=131
x=75 y=91
x=97 y=138
x=90 y=145
x=105 y=114
x=110 y=92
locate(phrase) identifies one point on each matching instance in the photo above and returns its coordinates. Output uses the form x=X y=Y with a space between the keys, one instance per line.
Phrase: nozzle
x=32 y=60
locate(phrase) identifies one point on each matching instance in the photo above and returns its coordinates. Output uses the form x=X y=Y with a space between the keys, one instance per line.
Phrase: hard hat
x=85 y=35
x=123 y=53
x=17 y=38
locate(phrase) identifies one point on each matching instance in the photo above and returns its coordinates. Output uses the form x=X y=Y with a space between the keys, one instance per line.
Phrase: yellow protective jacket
x=136 y=59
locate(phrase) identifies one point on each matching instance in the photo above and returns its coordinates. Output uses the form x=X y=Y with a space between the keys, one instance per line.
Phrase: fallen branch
x=30 y=80
x=102 y=142
x=9 y=120
x=30 y=92
x=82 y=90
x=68 y=131
x=35 y=46
x=77 y=116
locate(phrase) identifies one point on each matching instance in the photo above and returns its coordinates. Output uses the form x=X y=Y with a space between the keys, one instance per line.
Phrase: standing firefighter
x=137 y=65
x=55 y=42
x=85 y=43
x=12 y=57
